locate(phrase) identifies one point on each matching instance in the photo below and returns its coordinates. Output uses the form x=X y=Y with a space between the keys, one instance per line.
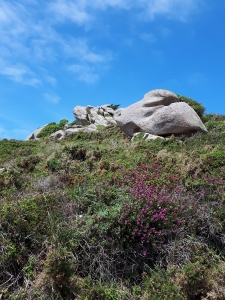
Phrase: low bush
x=51 y=128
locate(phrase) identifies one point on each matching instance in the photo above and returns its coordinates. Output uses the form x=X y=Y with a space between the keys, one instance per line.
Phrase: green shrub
x=51 y=128
x=213 y=117
x=115 y=106
x=73 y=123
x=54 y=164
x=10 y=149
x=215 y=159
x=159 y=286
x=216 y=126
x=28 y=164
x=60 y=267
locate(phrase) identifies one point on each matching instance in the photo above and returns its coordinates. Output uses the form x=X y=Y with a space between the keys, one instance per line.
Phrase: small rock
x=145 y=136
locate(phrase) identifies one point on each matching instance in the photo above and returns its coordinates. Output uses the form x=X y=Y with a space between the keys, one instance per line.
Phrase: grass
x=96 y=216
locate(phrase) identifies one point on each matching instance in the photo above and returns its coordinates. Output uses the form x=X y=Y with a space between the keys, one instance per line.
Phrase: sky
x=56 y=54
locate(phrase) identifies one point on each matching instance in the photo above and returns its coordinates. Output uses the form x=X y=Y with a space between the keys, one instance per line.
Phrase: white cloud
x=82 y=11
x=19 y=73
x=69 y=10
x=175 y=9
x=51 y=98
x=52 y=80
x=79 y=49
x=84 y=73
x=31 y=42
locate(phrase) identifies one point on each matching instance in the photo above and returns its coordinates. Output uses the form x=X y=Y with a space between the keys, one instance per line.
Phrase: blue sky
x=56 y=54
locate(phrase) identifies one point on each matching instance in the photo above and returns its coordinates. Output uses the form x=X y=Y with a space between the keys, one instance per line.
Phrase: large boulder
x=159 y=113
x=80 y=113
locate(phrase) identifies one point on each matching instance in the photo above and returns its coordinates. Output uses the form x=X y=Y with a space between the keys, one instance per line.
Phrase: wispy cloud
x=51 y=98
x=31 y=42
x=64 y=10
x=84 y=73
x=172 y=9
x=19 y=73
x=52 y=80
x=82 y=11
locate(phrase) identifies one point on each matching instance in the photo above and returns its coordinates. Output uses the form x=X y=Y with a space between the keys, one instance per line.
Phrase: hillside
x=96 y=216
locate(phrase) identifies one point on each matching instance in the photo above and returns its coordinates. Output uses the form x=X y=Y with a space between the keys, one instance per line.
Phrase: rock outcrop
x=159 y=113
x=100 y=115
x=33 y=135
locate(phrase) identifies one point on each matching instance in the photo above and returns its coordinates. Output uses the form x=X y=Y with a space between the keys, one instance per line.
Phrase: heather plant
x=136 y=222
x=147 y=218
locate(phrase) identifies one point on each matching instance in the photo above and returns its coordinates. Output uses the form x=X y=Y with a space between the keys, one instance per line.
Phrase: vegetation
x=115 y=106
x=51 y=128
x=96 y=216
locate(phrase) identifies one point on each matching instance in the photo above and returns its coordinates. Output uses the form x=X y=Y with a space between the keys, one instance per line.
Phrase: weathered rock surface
x=33 y=135
x=100 y=115
x=58 y=134
x=73 y=130
x=80 y=114
x=159 y=113
x=146 y=136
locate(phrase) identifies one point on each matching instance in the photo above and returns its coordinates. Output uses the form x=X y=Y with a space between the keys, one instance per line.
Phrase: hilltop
x=98 y=216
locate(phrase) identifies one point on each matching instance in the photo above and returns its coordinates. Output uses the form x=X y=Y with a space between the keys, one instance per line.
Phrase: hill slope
x=95 y=216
